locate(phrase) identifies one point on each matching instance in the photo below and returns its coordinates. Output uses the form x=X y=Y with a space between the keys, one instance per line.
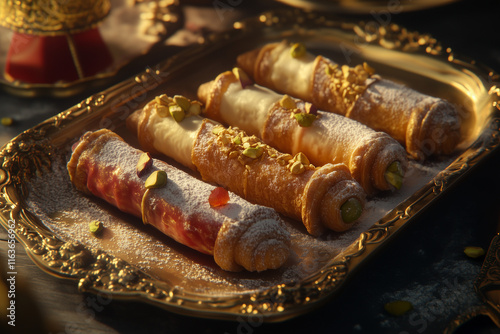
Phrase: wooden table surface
x=419 y=262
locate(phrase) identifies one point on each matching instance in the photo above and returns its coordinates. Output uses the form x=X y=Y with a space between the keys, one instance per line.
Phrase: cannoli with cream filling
x=425 y=125
x=321 y=197
x=375 y=160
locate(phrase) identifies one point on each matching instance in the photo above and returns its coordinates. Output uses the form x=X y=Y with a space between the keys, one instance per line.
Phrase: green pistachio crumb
x=297 y=50
x=287 y=102
x=195 y=108
x=176 y=112
x=253 y=152
x=182 y=102
x=157 y=179
x=237 y=140
x=304 y=119
x=474 y=252
x=7 y=121
x=96 y=227
x=398 y=307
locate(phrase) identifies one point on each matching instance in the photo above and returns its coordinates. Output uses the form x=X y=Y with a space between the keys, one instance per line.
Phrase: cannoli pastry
x=375 y=159
x=237 y=233
x=324 y=197
x=425 y=125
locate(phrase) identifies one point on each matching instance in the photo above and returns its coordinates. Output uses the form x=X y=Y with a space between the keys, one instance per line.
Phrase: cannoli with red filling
x=238 y=234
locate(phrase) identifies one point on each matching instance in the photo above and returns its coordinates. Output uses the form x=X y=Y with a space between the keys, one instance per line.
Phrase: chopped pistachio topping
x=253 y=152
x=304 y=119
x=297 y=50
x=242 y=77
x=218 y=129
x=194 y=108
x=178 y=107
x=287 y=102
x=143 y=164
x=157 y=179
x=349 y=82
x=162 y=110
x=248 y=149
x=398 y=307
x=296 y=164
x=297 y=168
x=370 y=70
x=474 y=252
x=163 y=99
x=311 y=109
x=176 y=112
x=286 y=157
x=7 y=121
x=301 y=157
x=96 y=227
x=237 y=140
x=182 y=102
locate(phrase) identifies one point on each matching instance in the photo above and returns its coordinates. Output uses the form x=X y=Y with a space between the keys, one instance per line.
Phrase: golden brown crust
x=328 y=99
x=254 y=244
x=432 y=131
x=366 y=153
x=258 y=63
x=137 y=123
x=264 y=65
x=324 y=194
x=211 y=93
x=330 y=139
x=258 y=180
x=97 y=139
x=267 y=179
x=248 y=60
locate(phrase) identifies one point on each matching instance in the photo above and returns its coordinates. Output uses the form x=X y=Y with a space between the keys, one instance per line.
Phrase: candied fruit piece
x=218 y=197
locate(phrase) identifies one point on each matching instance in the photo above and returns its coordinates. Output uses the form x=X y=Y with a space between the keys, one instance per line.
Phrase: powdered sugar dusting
x=190 y=197
x=67 y=212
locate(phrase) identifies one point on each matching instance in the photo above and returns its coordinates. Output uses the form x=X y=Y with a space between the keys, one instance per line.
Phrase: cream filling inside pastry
x=292 y=74
x=234 y=108
x=178 y=136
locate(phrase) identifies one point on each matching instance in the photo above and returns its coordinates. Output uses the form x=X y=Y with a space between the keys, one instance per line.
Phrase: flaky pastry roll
x=324 y=197
x=238 y=234
x=375 y=159
x=425 y=125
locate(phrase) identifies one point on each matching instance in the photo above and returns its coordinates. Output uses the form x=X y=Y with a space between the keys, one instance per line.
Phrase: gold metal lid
x=52 y=17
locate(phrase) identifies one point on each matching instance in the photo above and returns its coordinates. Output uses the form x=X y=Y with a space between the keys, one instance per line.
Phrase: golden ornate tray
x=374 y=7
x=135 y=262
